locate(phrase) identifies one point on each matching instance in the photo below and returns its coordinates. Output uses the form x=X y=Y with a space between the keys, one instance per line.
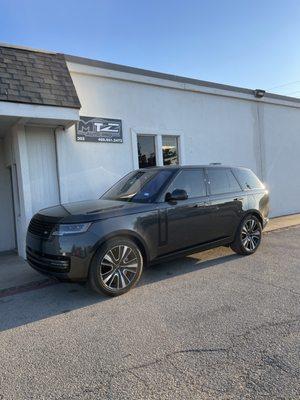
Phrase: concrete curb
x=285 y=221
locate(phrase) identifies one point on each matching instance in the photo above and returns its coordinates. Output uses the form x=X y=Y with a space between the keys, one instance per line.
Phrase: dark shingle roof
x=36 y=77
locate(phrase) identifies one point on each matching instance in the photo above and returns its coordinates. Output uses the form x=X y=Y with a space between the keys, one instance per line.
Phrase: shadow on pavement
x=55 y=298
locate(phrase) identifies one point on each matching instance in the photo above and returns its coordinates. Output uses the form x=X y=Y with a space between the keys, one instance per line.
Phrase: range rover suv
x=148 y=216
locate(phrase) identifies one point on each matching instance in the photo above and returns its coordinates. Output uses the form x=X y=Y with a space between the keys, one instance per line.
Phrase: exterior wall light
x=259 y=93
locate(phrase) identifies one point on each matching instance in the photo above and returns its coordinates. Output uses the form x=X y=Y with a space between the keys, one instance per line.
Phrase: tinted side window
x=222 y=181
x=190 y=180
x=248 y=179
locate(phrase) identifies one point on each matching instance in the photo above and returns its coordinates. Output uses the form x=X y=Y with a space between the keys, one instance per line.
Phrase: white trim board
x=31 y=112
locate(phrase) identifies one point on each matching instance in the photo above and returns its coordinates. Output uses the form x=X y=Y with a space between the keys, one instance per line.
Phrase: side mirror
x=176 y=195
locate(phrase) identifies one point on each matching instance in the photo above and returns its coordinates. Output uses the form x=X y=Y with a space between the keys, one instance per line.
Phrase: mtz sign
x=91 y=129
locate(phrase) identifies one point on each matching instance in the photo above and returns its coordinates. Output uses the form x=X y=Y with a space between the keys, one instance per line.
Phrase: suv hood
x=91 y=210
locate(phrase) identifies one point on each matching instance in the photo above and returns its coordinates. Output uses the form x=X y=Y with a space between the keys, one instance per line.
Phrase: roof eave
x=174 y=78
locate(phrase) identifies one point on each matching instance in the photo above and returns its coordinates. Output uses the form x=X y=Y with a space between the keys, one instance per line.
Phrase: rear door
x=227 y=201
x=186 y=221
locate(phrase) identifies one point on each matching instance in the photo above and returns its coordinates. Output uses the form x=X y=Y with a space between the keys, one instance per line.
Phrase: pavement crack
x=276 y=362
x=140 y=379
x=168 y=355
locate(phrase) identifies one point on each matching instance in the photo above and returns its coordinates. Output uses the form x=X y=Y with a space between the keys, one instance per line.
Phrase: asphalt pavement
x=210 y=326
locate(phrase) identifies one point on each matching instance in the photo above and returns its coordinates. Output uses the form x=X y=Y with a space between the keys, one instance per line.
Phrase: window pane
x=248 y=179
x=146 y=151
x=170 y=150
x=192 y=181
x=222 y=181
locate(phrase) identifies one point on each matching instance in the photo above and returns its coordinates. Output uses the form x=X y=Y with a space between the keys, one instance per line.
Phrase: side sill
x=191 y=250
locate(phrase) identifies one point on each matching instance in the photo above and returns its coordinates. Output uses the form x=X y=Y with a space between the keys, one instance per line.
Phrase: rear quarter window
x=247 y=179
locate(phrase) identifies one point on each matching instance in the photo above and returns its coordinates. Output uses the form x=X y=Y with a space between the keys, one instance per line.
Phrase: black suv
x=148 y=216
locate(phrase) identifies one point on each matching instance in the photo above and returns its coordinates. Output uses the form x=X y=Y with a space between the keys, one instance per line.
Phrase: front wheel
x=248 y=236
x=116 y=267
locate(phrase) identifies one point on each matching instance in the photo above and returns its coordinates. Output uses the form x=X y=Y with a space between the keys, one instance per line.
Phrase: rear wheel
x=116 y=267
x=248 y=236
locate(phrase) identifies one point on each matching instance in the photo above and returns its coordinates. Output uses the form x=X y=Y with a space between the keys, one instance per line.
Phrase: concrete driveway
x=213 y=325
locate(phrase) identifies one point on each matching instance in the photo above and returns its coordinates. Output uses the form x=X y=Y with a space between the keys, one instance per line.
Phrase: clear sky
x=248 y=43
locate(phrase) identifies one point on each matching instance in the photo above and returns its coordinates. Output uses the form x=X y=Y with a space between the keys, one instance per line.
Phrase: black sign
x=91 y=129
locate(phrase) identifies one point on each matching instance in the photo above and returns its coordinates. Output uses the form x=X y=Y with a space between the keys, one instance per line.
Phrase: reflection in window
x=222 y=181
x=170 y=150
x=190 y=180
x=146 y=151
x=248 y=179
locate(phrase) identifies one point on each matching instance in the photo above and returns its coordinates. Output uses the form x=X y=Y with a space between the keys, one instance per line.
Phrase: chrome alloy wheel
x=251 y=235
x=118 y=267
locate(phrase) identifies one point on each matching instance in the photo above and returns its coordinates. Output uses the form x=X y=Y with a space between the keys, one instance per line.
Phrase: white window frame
x=157 y=134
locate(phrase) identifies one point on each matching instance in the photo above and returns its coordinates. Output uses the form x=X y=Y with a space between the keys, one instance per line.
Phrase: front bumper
x=65 y=258
x=58 y=266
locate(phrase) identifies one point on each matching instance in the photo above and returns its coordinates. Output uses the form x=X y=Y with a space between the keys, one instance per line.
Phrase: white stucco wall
x=281 y=143
x=213 y=128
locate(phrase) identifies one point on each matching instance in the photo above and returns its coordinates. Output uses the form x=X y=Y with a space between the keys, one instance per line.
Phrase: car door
x=227 y=201
x=184 y=223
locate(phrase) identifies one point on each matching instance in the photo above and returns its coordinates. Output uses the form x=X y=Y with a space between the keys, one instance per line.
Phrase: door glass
x=190 y=180
x=170 y=150
x=146 y=151
x=222 y=181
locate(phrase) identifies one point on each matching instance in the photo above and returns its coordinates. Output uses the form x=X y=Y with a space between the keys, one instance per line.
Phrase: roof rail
x=215 y=163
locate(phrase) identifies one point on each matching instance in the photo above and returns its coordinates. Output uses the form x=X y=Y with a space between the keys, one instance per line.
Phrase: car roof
x=176 y=167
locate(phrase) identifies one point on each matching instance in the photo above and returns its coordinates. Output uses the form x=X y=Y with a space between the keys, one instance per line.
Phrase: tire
x=116 y=267
x=248 y=236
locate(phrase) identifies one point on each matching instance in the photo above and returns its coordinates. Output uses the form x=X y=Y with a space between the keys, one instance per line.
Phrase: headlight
x=70 y=229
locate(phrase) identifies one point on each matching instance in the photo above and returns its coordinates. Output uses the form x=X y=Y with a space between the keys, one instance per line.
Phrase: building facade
x=70 y=127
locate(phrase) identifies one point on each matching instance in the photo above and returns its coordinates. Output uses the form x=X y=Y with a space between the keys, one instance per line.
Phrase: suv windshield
x=138 y=186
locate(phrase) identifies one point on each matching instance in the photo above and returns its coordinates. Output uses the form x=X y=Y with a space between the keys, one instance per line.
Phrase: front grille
x=47 y=262
x=41 y=228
